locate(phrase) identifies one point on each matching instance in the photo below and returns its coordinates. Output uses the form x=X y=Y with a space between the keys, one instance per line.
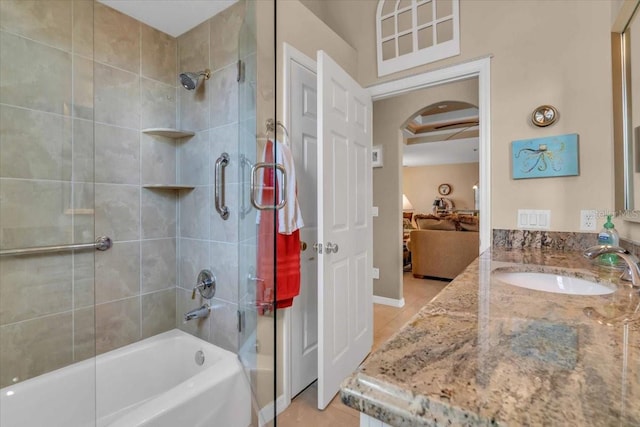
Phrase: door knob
x=303 y=246
x=331 y=247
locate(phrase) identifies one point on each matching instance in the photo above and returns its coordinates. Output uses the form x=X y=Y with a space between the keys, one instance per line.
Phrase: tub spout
x=198 y=313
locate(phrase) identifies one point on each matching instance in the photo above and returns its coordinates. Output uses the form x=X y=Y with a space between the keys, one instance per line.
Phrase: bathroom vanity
x=485 y=352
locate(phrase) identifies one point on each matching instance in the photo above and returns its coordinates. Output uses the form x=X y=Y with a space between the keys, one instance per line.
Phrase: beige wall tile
x=83 y=212
x=82 y=87
x=224 y=264
x=196 y=161
x=48 y=22
x=193 y=49
x=83 y=278
x=225 y=28
x=117 y=155
x=116 y=98
x=32 y=213
x=194 y=108
x=225 y=139
x=158 y=104
x=193 y=56
x=195 y=206
x=224 y=317
x=34 y=145
x=158 y=159
x=117 y=324
x=159 y=264
x=158 y=312
x=34 y=76
x=83 y=144
x=32 y=348
x=226 y=230
x=198 y=327
x=194 y=256
x=84 y=334
x=34 y=286
x=159 y=213
x=118 y=272
x=159 y=56
x=83 y=27
x=223 y=94
x=116 y=38
x=118 y=211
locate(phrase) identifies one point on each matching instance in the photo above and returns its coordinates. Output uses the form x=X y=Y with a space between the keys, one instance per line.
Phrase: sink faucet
x=632 y=272
x=197 y=313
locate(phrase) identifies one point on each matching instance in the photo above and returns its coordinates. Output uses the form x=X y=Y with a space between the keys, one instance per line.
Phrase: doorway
x=476 y=69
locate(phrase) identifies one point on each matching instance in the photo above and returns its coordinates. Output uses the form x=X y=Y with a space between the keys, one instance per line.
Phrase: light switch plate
x=376 y=273
x=534 y=219
x=374 y=210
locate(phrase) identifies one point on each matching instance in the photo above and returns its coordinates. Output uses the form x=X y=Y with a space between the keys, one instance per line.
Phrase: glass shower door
x=257 y=315
x=46 y=199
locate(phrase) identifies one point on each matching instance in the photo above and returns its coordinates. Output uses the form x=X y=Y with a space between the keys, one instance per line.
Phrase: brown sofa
x=443 y=247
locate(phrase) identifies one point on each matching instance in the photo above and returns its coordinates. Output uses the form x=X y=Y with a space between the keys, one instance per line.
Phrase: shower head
x=190 y=81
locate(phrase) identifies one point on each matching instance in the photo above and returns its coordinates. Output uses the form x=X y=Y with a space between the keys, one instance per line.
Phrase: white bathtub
x=154 y=382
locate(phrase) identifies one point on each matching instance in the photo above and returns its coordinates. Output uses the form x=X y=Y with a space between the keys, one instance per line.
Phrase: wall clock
x=544 y=115
x=444 y=189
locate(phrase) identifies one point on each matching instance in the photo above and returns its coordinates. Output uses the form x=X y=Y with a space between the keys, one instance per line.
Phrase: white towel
x=290 y=216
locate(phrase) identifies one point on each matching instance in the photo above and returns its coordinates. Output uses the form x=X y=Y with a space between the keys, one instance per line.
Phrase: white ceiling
x=174 y=17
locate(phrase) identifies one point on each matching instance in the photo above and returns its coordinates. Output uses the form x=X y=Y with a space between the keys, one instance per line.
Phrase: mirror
x=625 y=50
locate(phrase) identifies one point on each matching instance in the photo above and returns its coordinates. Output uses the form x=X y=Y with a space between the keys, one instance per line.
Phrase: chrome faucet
x=198 y=313
x=631 y=273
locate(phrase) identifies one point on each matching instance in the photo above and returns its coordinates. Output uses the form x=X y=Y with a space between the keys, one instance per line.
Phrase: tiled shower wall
x=50 y=56
x=205 y=239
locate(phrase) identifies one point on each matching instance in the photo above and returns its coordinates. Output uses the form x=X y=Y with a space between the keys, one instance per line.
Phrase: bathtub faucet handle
x=205 y=284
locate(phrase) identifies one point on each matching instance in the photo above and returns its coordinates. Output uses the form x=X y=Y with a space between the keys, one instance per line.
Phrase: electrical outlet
x=588 y=220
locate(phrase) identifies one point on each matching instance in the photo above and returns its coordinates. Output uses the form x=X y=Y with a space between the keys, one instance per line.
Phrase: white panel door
x=304 y=313
x=345 y=282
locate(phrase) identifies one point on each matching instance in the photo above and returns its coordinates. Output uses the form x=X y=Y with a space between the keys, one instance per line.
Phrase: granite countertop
x=488 y=353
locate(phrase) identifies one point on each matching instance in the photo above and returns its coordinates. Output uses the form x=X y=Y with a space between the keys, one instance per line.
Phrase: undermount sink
x=548 y=282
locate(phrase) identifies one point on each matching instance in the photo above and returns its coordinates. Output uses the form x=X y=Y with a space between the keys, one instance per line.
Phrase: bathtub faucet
x=198 y=313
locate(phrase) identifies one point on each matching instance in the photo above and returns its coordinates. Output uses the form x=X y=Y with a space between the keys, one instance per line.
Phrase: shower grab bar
x=221 y=163
x=254 y=187
x=101 y=244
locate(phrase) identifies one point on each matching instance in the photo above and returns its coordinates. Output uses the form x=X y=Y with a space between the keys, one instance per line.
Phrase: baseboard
x=266 y=413
x=388 y=301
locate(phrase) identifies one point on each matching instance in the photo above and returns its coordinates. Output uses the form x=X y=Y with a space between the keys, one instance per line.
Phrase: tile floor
x=386 y=321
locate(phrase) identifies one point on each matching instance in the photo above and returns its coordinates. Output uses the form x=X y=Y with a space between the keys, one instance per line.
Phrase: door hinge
x=240 y=77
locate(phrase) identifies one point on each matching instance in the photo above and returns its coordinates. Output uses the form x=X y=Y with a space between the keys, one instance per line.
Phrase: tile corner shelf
x=168 y=187
x=169 y=133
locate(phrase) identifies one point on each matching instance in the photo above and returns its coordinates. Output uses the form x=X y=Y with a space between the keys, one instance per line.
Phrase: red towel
x=286 y=247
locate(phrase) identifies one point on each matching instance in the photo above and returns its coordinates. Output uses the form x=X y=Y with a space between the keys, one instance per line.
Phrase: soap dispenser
x=609 y=236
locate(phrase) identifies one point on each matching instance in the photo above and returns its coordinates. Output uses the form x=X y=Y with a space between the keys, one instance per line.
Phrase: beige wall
x=388 y=117
x=420 y=185
x=573 y=73
x=303 y=30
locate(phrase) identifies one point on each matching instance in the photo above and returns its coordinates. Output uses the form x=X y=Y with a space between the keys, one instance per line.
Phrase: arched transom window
x=415 y=32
